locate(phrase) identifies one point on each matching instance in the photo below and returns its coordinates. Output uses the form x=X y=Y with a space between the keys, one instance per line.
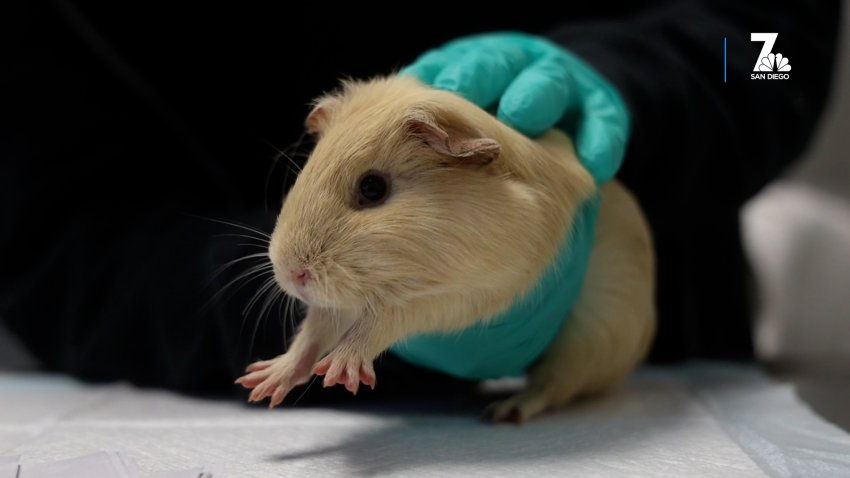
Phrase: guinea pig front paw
x=346 y=367
x=274 y=378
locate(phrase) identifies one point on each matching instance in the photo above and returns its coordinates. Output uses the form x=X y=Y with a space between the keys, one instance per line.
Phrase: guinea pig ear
x=466 y=147
x=320 y=117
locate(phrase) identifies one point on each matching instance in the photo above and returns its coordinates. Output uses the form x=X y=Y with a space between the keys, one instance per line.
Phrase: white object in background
x=798 y=240
x=8 y=466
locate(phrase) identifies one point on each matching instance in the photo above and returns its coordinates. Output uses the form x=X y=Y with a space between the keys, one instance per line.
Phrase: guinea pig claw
x=257 y=394
x=332 y=379
x=322 y=367
x=257 y=366
x=352 y=384
x=278 y=396
x=345 y=370
x=251 y=380
x=367 y=376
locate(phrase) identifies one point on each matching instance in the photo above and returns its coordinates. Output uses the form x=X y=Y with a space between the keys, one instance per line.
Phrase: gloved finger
x=432 y=62
x=532 y=46
x=481 y=75
x=601 y=144
x=601 y=137
x=429 y=65
x=537 y=99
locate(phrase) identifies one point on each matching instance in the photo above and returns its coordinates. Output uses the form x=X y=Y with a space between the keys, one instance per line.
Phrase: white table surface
x=693 y=420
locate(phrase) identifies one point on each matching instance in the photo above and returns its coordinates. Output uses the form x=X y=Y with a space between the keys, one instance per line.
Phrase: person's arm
x=699 y=146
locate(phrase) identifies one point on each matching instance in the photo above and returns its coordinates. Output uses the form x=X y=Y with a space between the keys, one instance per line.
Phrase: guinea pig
x=423 y=224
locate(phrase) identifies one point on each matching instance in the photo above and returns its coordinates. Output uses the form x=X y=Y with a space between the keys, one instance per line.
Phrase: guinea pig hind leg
x=611 y=326
x=320 y=330
x=557 y=378
x=589 y=356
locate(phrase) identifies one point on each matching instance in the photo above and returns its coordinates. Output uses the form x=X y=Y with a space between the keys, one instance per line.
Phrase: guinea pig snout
x=300 y=275
x=295 y=278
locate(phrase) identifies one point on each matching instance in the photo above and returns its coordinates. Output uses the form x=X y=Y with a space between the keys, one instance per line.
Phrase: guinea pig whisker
x=283 y=299
x=244 y=313
x=286 y=312
x=268 y=284
x=346 y=272
x=254 y=272
x=337 y=321
x=244 y=227
x=292 y=164
x=229 y=264
x=247 y=310
x=248 y=244
x=282 y=153
x=265 y=242
x=287 y=315
x=268 y=305
x=352 y=282
x=306 y=389
x=271 y=294
x=293 y=304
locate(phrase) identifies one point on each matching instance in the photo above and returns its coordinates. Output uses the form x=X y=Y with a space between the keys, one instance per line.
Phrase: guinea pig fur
x=419 y=212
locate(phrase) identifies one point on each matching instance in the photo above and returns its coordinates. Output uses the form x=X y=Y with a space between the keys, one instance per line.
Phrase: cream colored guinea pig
x=418 y=212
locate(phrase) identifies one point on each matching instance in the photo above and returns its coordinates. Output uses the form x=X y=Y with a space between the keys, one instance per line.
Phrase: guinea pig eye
x=373 y=187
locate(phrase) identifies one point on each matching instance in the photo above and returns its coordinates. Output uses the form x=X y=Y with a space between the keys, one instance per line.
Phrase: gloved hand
x=538 y=85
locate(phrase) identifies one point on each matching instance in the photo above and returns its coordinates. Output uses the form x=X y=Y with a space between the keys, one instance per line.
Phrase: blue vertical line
x=724 y=59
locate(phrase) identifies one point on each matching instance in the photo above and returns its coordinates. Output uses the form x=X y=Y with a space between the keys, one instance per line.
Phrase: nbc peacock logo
x=769 y=65
x=775 y=62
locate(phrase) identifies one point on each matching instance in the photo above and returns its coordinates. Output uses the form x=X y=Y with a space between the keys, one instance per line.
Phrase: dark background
x=122 y=123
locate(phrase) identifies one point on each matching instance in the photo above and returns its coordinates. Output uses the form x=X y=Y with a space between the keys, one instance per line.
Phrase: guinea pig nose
x=300 y=275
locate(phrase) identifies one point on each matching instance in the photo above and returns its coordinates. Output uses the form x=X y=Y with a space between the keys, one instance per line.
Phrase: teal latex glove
x=537 y=85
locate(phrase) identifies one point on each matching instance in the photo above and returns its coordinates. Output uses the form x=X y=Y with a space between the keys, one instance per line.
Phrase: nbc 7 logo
x=769 y=39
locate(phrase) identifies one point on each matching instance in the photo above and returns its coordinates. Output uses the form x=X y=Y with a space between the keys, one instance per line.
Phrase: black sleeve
x=701 y=145
x=105 y=265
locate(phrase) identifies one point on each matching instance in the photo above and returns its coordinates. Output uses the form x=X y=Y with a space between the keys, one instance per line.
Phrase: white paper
x=193 y=473
x=96 y=465
x=104 y=464
x=8 y=466
x=779 y=432
x=699 y=420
